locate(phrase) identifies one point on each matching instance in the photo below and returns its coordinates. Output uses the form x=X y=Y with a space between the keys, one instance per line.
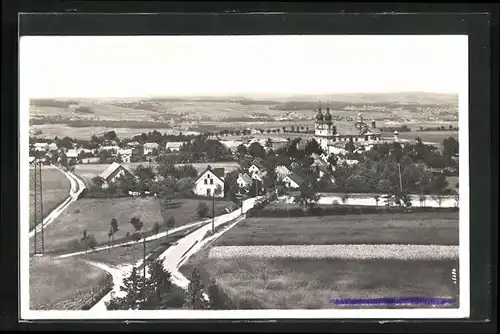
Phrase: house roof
x=133 y=143
x=259 y=162
x=296 y=178
x=247 y=179
x=31 y=159
x=125 y=151
x=218 y=172
x=53 y=146
x=111 y=169
x=151 y=145
x=72 y=153
x=41 y=144
x=174 y=144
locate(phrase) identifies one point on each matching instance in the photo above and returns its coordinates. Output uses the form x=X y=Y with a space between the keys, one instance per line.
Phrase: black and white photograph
x=257 y=176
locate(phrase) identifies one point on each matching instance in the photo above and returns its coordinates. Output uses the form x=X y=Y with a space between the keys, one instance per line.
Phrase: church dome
x=328 y=117
x=319 y=116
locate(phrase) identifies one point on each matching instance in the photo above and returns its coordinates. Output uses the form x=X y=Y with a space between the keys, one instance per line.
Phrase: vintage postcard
x=244 y=177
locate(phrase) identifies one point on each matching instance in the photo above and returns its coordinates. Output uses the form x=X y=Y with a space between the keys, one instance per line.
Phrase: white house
x=112 y=148
x=72 y=155
x=259 y=176
x=125 y=154
x=149 y=147
x=53 y=147
x=133 y=144
x=174 y=146
x=282 y=171
x=293 y=181
x=244 y=181
x=257 y=166
x=41 y=147
x=208 y=181
x=113 y=172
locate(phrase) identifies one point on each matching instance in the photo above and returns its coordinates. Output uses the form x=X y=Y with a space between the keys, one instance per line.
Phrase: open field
x=417 y=228
x=429 y=136
x=94 y=215
x=55 y=189
x=63 y=284
x=287 y=283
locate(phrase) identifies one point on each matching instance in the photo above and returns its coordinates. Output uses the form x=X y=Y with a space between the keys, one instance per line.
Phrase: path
x=174 y=256
x=76 y=188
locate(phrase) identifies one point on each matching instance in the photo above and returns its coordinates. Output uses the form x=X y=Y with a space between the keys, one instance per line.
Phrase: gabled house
x=293 y=181
x=125 y=155
x=244 y=181
x=72 y=155
x=113 y=172
x=282 y=171
x=174 y=146
x=53 y=147
x=41 y=147
x=150 y=147
x=257 y=166
x=208 y=181
x=259 y=176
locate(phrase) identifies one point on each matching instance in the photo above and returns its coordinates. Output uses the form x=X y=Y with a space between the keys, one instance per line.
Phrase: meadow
x=94 y=216
x=304 y=262
x=55 y=189
x=65 y=284
x=289 y=283
x=429 y=136
x=410 y=228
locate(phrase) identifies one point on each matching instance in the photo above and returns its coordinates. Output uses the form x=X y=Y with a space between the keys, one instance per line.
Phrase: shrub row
x=278 y=212
x=104 y=289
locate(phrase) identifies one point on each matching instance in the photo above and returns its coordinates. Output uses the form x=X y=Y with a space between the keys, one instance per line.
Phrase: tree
x=133 y=286
x=241 y=150
x=195 y=299
x=307 y=198
x=313 y=147
x=439 y=199
x=422 y=199
x=202 y=209
x=158 y=286
x=269 y=144
x=349 y=146
x=113 y=228
x=256 y=150
x=136 y=223
x=156 y=228
x=344 y=198
x=377 y=199
x=450 y=147
x=170 y=223
x=456 y=195
x=218 y=300
x=85 y=239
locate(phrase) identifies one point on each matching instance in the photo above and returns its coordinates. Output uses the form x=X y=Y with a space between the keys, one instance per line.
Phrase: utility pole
x=213 y=211
x=400 y=178
x=144 y=256
x=38 y=205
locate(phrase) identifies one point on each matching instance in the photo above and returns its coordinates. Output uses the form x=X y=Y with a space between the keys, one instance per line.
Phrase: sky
x=156 y=66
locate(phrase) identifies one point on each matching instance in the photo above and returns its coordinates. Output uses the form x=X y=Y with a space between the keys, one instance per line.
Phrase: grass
x=410 y=228
x=130 y=254
x=64 y=284
x=429 y=136
x=281 y=283
x=94 y=215
x=55 y=189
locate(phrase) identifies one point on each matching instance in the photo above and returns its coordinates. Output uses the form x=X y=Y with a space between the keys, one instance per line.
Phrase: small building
x=257 y=166
x=125 y=155
x=53 y=147
x=72 y=155
x=244 y=181
x=40 y=147
x=150 y=147
x=208 y=181
x=293 y=181
x=282 y=171
x=174 y=146
x=113 y=172
x=113 y=149
x=90 y=160
x=133 y=144
x=260 y=175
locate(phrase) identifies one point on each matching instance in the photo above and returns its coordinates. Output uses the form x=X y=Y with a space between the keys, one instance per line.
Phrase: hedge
x=277 y=212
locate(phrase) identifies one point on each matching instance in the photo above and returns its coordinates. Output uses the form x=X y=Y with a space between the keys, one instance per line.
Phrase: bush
x=281 y=212
x=202 y=210
x=79 y=244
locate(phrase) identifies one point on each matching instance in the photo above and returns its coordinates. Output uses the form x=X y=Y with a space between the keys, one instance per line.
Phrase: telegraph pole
x=38 y=239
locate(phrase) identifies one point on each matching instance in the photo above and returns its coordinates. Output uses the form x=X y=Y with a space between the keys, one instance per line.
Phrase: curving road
x=76 y=188
x=175 y=255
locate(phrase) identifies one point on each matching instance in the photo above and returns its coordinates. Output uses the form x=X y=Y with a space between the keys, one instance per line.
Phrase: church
x=325 y=133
